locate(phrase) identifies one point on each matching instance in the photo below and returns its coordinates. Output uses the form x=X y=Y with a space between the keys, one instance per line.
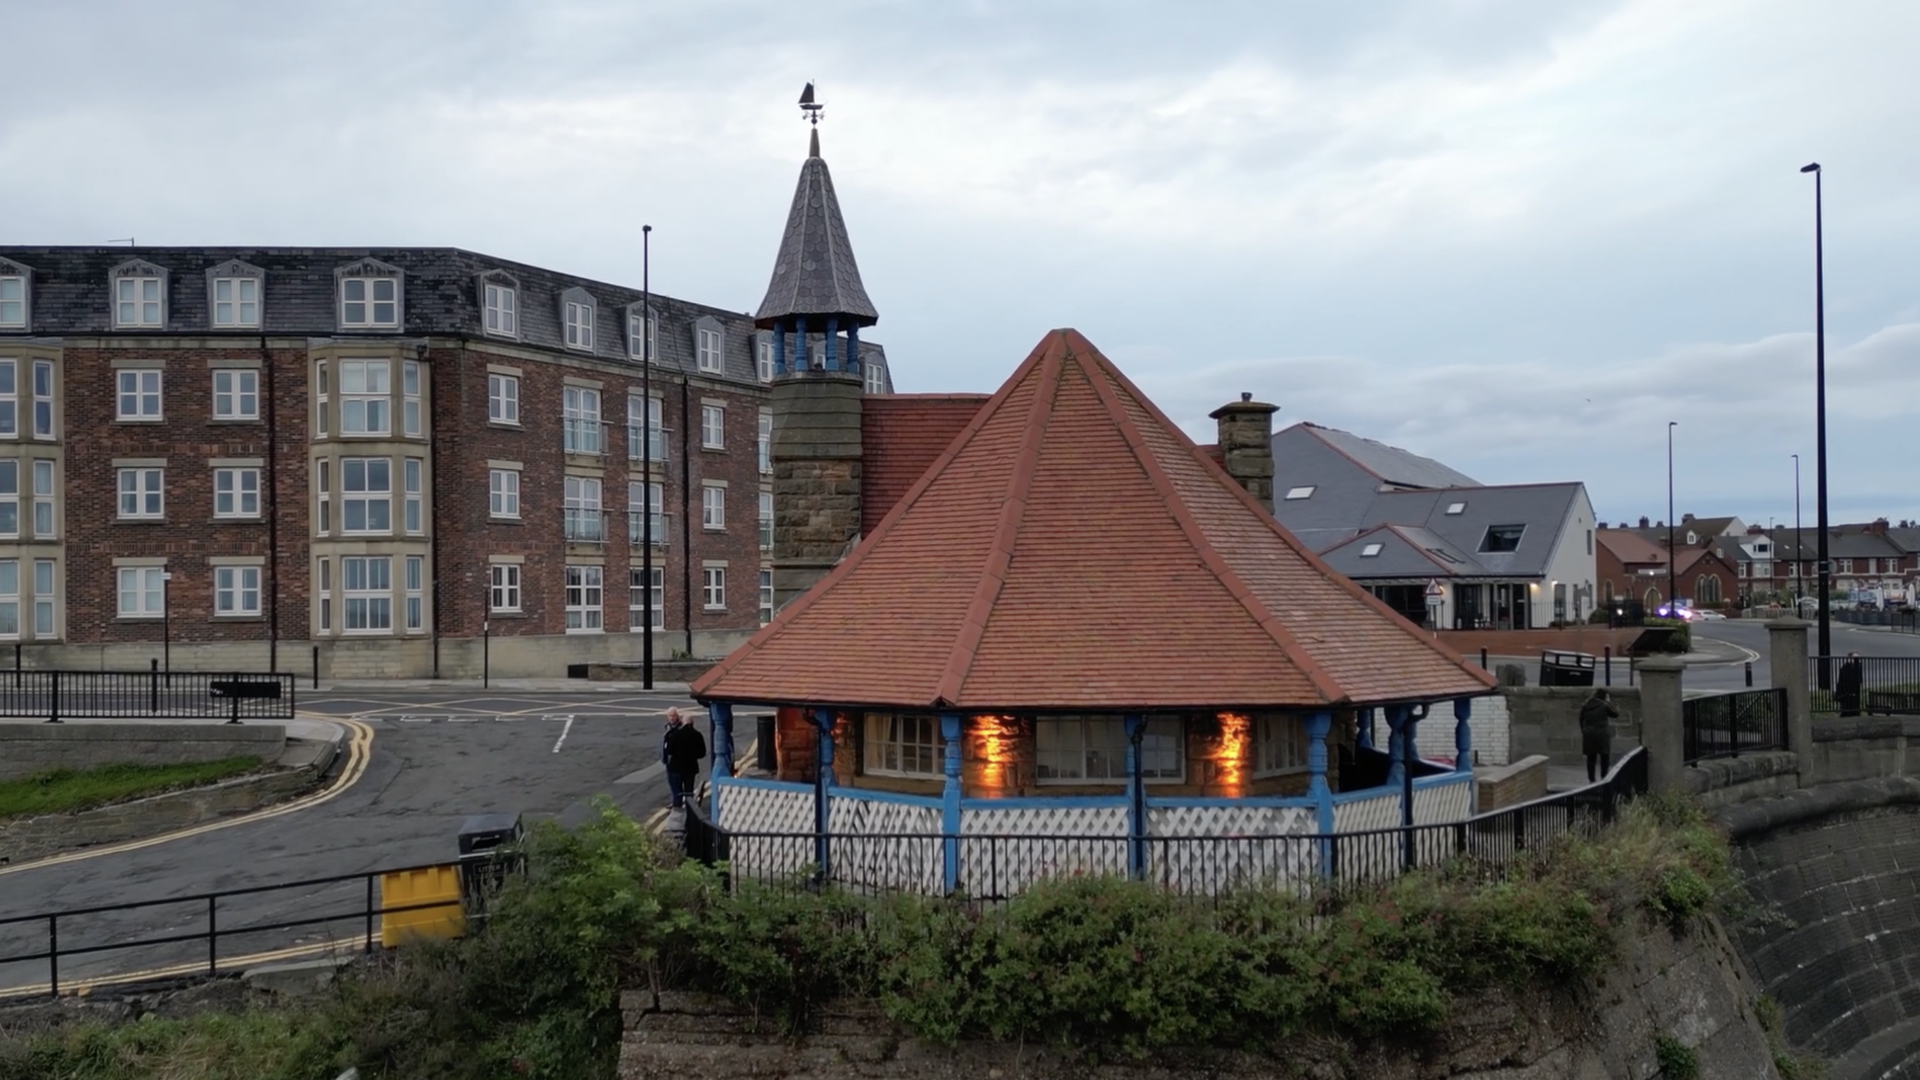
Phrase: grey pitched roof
x=1425 y=524
x=1405 y=552
x=1388 y=464
x=815 y=274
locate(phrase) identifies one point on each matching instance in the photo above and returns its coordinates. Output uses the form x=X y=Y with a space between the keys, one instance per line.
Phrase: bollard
x=316 y=667
x=1749 y=674
x=1483 y=660
x=153 y=688
x=1608 y=651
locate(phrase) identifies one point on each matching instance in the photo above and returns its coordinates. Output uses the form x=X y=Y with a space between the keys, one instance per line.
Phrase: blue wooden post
x=853 y=348
x=1462 y=735
x=950 y=804
x=802 y=361
x=822 y=791
x=833 y=331
x=1318 y=725
x=1136 y=799
x=721 y=716
x=1396 y=747
x=779 y=350
x=1365 y=738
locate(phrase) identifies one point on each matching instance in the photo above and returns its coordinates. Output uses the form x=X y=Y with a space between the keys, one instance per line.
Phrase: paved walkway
x=498 y=686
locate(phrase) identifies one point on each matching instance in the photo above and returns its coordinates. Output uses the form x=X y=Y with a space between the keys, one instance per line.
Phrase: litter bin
x=766 y=750
x=484 y=858
x=1566 y=668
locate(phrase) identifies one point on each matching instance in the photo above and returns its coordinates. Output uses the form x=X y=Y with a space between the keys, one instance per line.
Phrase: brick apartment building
x=231 y=455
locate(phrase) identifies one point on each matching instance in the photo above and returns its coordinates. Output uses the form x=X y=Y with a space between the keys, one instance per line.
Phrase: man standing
x=1846 y=689
x=680 y=751
x=1597 y=714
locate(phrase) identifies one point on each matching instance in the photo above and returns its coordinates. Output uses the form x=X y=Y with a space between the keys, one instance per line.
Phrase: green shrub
x=784 y=949
x=1678 y=1061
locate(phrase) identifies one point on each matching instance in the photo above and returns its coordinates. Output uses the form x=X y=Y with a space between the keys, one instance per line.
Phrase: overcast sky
x=1515 y=235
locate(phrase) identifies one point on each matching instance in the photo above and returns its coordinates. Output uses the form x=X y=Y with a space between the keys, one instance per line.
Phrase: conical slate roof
x=1072 y=549
x=814 y=273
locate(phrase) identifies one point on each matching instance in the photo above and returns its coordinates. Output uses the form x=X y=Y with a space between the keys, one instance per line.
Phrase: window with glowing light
x=1093 y=749
x=903 y=744
x=1279 y=744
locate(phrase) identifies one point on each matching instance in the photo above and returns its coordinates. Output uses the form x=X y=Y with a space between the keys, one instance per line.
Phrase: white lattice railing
x=885 y=844
x=1380 y=811
x=1216 y=848
x=785 y=810
x=1004 y=851
x=1448 y=800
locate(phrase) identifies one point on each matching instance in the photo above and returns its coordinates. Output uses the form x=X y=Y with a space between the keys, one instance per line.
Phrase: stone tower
x=815 y=307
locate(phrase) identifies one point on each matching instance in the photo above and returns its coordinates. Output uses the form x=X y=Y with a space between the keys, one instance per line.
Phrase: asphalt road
x=435 y=759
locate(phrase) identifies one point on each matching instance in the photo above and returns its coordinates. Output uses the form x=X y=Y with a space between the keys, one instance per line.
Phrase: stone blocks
x=28 y=748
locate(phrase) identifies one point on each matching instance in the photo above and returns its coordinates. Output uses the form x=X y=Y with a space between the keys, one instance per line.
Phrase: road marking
x=658 y=819
x=359 y=753
x=80 y=987
x=563 y=735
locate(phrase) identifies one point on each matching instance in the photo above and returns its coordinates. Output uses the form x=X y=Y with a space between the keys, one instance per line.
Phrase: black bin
x=766 y=749
x=1566 y=668
x=485 y=855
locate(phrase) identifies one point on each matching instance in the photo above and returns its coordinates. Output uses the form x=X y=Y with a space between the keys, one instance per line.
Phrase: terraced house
x=227 y=456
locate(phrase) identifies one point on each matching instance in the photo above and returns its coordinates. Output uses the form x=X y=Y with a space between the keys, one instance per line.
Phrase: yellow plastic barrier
x=405 y=888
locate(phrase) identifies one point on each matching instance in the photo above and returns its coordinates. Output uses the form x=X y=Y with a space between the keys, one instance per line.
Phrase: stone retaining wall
x=1510 y=785
x=1546 y=720
x=29 y=748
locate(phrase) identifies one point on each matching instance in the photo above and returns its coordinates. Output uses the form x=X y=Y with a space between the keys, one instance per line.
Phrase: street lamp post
x=166 y=626
x=1798 y=569
x=1822 y=568
x=1673 y=555
x=646 y=458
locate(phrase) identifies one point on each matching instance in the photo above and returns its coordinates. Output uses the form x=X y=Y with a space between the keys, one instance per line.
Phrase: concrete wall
x=1510 y=785
x=28 y=748
x=1546 y=720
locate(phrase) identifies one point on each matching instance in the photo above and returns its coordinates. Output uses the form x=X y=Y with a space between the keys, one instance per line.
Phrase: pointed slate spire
x=814 y=276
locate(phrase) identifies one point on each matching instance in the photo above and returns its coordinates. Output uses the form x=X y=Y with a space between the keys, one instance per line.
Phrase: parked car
x=1706 y=614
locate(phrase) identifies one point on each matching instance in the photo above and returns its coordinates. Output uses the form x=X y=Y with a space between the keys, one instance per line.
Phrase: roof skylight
x=1370 y=550
x=1300 y=492
x=1457 y=508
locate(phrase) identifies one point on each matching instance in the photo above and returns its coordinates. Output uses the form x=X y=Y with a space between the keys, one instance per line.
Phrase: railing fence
x=1729 y=724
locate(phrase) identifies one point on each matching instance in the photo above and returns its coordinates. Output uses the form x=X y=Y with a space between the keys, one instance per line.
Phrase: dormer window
x=1456 y=508
x=763 y=356
x=576 y=319
x=369 y=302
x=502 y=304
x=139 y=296
x=233 y=295
x=13 y=295
x=640 y=347
x=1300 y=492
x=1502 y=538
x=708 y=340
x=876 y=377
x=1371 y=551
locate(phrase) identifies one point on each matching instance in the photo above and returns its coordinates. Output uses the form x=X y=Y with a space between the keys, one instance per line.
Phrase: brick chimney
x=1643 y=521
x=1246 y=445
x=1879 y=527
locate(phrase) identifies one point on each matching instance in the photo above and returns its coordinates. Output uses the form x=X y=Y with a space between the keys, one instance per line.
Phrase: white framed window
x=320 y=398
x=236 y=394
x=649 y=498
x=580 y=420
x=139 y=394
x=43 y=496
x=366 y=397
x=416 y=581
x=323 y=486
x=1845 y=566
x=1093 y=749
x=579 y=323
x=236 y=302
x=503 y=587
x=713 y=507
x=142 y=592
x=323 y=574
x=873 y=376
x=763 y=359
x=503 y=399
x=637 y=590
x=44 y=597
x=413 y=513
x=141 y=494
x=585 y=523
x=139 y=302
x=366 y=593
x=638 y=347
x=1279 y=744
x=9 y=497
x=765 y=442
x=585 y=594
x=9 y=598
x=43 y=399
x=502 y=304
x=708 y=346
x=766 y=597
x=713 y=427
x=713 y=588
x=236 y=493
x=645 y=413
x=368 y=303
x=503 y=493
x=13 y=302
x=366 y=496
x=903 y=744
x=766 y=521
x=410 y=399
x=9 y=399
x=236 y=591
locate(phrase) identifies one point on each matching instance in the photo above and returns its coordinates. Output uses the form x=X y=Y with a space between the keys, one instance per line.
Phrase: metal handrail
x=214 y=695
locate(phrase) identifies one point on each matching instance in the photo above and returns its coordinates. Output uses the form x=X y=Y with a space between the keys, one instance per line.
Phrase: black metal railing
x=1730 y=724
x=993 y=868
x=130 y=695
x=1875 y=685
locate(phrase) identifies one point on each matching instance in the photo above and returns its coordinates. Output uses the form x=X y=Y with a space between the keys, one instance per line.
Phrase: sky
x=1518 y=236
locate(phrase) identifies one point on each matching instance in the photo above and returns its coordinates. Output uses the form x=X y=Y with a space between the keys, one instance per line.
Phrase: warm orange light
x=1230 y=751
x=994 y=741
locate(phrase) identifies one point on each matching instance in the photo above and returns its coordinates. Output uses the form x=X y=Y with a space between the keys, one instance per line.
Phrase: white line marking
x=563 y=735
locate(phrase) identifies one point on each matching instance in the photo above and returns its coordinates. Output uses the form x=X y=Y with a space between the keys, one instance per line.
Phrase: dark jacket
x=1847 y=687
x=682 y=748
x=1596 y=727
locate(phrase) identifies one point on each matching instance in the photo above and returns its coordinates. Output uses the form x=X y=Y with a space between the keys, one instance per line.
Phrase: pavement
x=495 y=686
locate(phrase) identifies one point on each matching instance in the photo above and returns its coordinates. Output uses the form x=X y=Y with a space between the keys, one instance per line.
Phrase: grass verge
x=60 y=791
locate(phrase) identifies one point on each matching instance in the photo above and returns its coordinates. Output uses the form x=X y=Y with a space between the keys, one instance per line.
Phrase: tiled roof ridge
x=1312 y=558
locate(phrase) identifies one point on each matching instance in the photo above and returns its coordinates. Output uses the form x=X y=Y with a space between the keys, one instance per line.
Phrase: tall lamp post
x=646 y=458
x=1798 y=569
x=1822 y=568
x=1673 y=555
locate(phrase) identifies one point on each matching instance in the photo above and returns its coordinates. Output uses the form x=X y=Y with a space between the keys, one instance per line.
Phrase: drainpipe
x=272 y=495
x=686 y=512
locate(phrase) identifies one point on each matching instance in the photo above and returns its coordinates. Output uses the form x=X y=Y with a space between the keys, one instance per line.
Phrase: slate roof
x=1341 y=514
x=900 y=436
x=815 y=274
x=1388 y=464
x=1405 y=552
x=1069 y=514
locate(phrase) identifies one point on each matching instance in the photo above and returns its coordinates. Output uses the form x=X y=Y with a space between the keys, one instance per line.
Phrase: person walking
x=1596 y=733
x=681 y=749
x=1846 y=689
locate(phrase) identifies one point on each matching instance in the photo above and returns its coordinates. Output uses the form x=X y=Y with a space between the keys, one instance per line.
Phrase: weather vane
x=810 y=108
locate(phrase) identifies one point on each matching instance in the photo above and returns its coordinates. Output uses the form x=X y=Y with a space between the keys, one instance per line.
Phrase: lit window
x=500 y=304
x=585 y=522
x=503 y=399
x=236 y=302
x=43 y=399
x=370 y=303
x=708 y=347
x=503 y=493
x=713 y=507
x=579 y=320
x=142 y=591
x=1300 y=492
x=1370 y=551
x=236 y=590
x=713 y=427
x=138 y=302
x=13 y=302
x=366 y=495
x=641 y=597
x=766 y=597
x=1093 y=749
x=410 y=399
x=585 y=593
x=43 y=495
x=416 y=592
x=236 y=493
x=713 y=587
x=140 y=494
x=903 y=744
x=1279 y=744
x=9 y=497
x=236 y=394
x=139 y=396
x=580 y=421
x=1456 y=508
x=766 y=442
x=638 y=347
x=413 y=512
x=367 y=593
x=503 y=593
x=43 y=598
x=366 y=397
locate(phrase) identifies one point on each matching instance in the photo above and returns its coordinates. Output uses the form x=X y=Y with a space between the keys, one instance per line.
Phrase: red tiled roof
x=1629 y=547
x=900 y=435
x=1072 y=549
